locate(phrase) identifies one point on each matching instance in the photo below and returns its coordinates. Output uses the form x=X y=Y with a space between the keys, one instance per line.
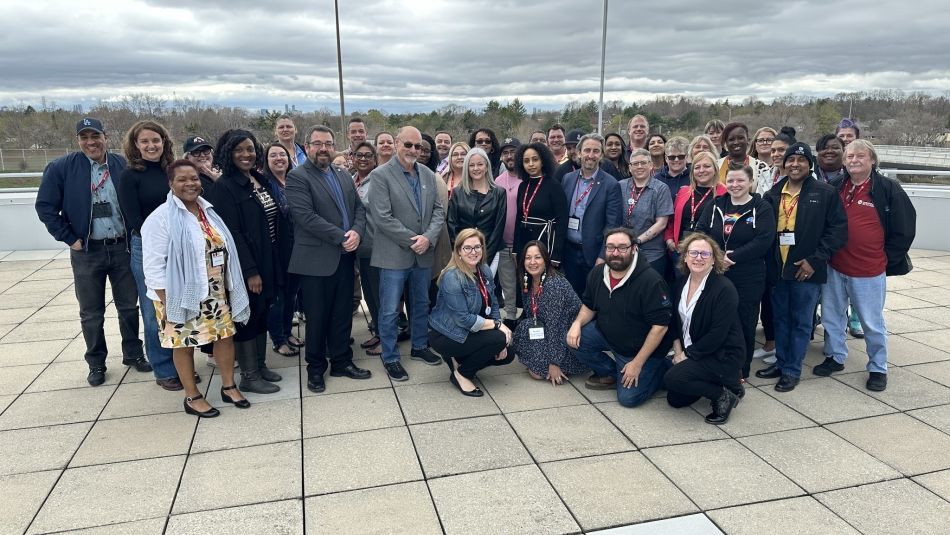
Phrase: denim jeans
x=793 y=308
x=591 y=352
x=159 y=357
x=866 y=297
x=90 y=269
x=391 y=283
x=281 y=315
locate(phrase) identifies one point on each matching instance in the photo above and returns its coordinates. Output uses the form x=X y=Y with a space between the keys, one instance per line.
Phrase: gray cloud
x=423 y=55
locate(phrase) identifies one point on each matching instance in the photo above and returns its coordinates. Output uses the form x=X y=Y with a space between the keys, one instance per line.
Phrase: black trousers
x=690 y=380
x=256 y=324
x=369 y=281
x=328 y=304
x=768 y=324
x=476 y=353
x=750 y=295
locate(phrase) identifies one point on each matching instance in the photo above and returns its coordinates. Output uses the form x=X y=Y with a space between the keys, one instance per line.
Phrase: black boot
x=722 y=407
x=251 y=380
x=261 y=348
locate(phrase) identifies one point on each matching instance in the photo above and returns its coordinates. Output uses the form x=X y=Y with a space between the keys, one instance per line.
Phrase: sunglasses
x=483 y=141
x=410 y=144
x=674 y=157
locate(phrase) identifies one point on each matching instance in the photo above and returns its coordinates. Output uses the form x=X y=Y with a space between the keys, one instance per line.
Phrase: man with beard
x=443 y=142
x=626 y=309
x=407 y=214
x=507 y=267
x=594 y=204
x=329 y=221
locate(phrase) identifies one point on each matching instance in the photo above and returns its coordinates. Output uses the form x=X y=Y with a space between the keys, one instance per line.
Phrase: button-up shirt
x=577 y=209
x=104 y=227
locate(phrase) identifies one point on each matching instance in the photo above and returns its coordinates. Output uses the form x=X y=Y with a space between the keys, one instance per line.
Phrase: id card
x=786 y=238
x=217 y=258
x=573 y=223
x=101 y=209
x=536 y=333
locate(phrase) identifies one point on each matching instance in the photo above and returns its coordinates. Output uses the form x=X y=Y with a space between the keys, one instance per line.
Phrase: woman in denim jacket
x=466 y=327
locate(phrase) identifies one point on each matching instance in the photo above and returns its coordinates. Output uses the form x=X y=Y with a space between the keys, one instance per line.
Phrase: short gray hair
x=640 y=152
x=596 y=137
x=862 y=143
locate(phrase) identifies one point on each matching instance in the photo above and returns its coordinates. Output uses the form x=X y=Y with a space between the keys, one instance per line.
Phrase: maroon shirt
x=863 y=253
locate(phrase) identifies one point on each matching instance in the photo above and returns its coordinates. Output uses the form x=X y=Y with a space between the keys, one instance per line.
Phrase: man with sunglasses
x=407 y=215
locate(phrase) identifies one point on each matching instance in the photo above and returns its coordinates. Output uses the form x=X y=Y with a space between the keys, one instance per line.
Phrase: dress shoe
x=97 y=375
x=395 y=371
x=771 y=372
x=316 y=384
x=596 y=382
x=139 y=363
x=210 y=413
x=239 y=403
x=476 y=393
x=269 y=375
x=722 y=407
x=786 y=384
x=352 y=372
x=425 y=355
x=827 y=367
x=877 y=381
x=403 y=335
x=172 y=385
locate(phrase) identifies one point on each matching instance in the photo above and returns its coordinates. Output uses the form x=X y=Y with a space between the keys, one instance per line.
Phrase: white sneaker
x=770 y=360
x=762 y=353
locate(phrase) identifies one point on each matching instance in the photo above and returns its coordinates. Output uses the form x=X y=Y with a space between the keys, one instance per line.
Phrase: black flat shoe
x=139 y=363
x=316 y=384
x=786 y=384
x=477 y=393
x=240 y=403
x=210 y=413
x=772 y=372
x=352 y=372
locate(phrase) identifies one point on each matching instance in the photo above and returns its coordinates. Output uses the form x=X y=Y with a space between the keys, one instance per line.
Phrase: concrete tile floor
x=416 y=457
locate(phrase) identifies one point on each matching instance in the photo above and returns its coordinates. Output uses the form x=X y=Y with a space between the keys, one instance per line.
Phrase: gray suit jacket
x=396 y=220
x=318 y=223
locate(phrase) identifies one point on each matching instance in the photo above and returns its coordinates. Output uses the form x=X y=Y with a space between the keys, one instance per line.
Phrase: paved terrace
x=417 y=457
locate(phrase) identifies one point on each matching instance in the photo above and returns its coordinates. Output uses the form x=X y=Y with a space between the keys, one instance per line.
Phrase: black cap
x=510 y=142
x=800 y=149
x=573 y=137
x=89 y=123
x=195 y=143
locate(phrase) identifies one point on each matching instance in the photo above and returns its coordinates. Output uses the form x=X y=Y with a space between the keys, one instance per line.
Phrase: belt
x=107 y=241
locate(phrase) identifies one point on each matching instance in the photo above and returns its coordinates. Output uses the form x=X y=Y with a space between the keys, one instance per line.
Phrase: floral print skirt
x=213 y=322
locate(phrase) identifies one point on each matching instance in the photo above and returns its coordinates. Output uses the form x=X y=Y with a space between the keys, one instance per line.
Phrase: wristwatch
x=497 y=324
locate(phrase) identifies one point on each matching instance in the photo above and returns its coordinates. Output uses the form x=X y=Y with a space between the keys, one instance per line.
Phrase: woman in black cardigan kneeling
x=708 y=347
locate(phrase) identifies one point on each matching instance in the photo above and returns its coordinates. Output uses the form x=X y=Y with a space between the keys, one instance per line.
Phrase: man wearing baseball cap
x=79 y=204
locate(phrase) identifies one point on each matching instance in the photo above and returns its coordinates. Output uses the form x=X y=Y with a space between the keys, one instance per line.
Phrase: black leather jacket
x=484 y=212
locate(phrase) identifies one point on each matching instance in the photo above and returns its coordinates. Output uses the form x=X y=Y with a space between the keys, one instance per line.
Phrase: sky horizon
x=401 y=57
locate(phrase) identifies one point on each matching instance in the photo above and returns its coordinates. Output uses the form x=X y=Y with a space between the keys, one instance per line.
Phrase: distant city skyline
x=409 y=57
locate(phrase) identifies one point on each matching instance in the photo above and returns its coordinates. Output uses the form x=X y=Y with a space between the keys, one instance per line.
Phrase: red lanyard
x=791 y=209
x=205 y=226
x=535 y=299
x=634 y=196
x=529 y=200
x=483 y=289
x=105 y=176
x=694 y=207
x=585 y=193
x=451 y=183
x=852 y=193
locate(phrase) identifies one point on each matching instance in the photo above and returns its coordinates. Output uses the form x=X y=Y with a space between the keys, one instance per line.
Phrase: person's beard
x=620 y=263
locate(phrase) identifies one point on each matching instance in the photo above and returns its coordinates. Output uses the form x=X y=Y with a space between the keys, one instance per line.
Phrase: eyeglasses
x=764 y=140
x=639 y=164
x=410 y=144
x=693 y=253
x=483 y=141
x=320 y=144
x=469 y=249
x=674 y=157
x=363 y=155
x=200 y=152
x=622 y=249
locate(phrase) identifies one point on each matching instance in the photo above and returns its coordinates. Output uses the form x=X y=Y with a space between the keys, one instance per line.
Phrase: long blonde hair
x=456 y=261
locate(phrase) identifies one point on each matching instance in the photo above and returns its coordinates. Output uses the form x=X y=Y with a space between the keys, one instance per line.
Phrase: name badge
x=536 y=333
x=786 y=238
x=101 y=209
x=573 y=223
x=217 y=258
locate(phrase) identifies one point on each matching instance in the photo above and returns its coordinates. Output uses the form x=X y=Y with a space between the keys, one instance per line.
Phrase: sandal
x=375 y=351
x=291 y=352
x=295 y=342
x=372 y=342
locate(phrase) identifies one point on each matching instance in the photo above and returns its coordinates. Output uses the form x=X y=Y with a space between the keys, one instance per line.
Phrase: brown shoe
x=172 y=384
x=595 y=382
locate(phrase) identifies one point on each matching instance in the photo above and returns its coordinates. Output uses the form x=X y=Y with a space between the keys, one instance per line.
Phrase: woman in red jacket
x=703 y=188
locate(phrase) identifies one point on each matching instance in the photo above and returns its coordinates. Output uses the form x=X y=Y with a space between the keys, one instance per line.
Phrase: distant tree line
x=886 y=116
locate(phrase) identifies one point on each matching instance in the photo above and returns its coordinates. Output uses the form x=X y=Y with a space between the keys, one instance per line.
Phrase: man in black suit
x=329 y=221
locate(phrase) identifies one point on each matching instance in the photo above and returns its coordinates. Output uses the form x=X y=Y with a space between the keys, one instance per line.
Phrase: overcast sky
x=402 y=55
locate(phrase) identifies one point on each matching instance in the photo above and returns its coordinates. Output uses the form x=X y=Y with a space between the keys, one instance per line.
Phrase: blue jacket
x=604 y=210
x=64 y=200
x=458 y=309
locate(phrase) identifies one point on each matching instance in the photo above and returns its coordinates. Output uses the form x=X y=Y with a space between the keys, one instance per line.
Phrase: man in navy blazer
x=594 y=204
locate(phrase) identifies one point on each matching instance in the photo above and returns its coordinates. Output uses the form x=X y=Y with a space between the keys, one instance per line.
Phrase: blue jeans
x=159 y=357
x=866 y=297
x=281 y=315
x=591 y=352
x=793 y=308
x=391 y=284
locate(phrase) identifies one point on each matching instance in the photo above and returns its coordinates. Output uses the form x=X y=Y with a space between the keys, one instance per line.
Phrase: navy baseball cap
x=195 y=143
x=89 y=123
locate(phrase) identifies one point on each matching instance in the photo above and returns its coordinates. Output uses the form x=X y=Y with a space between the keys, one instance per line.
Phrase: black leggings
x=690 y=380
x=477 y=352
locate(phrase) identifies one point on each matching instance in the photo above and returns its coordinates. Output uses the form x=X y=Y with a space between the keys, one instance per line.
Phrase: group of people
x=645 y=261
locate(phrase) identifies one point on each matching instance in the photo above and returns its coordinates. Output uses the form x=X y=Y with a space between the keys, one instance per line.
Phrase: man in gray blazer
x=408 y=216
x=329 y=220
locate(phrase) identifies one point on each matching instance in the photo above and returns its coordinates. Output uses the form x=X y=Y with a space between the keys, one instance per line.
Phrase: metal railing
x=929 y=156
x=24 y=160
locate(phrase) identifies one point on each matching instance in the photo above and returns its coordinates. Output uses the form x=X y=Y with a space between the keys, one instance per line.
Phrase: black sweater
x=549 y=203
x=141 y=192
x=715 y=330
x=750 y=239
